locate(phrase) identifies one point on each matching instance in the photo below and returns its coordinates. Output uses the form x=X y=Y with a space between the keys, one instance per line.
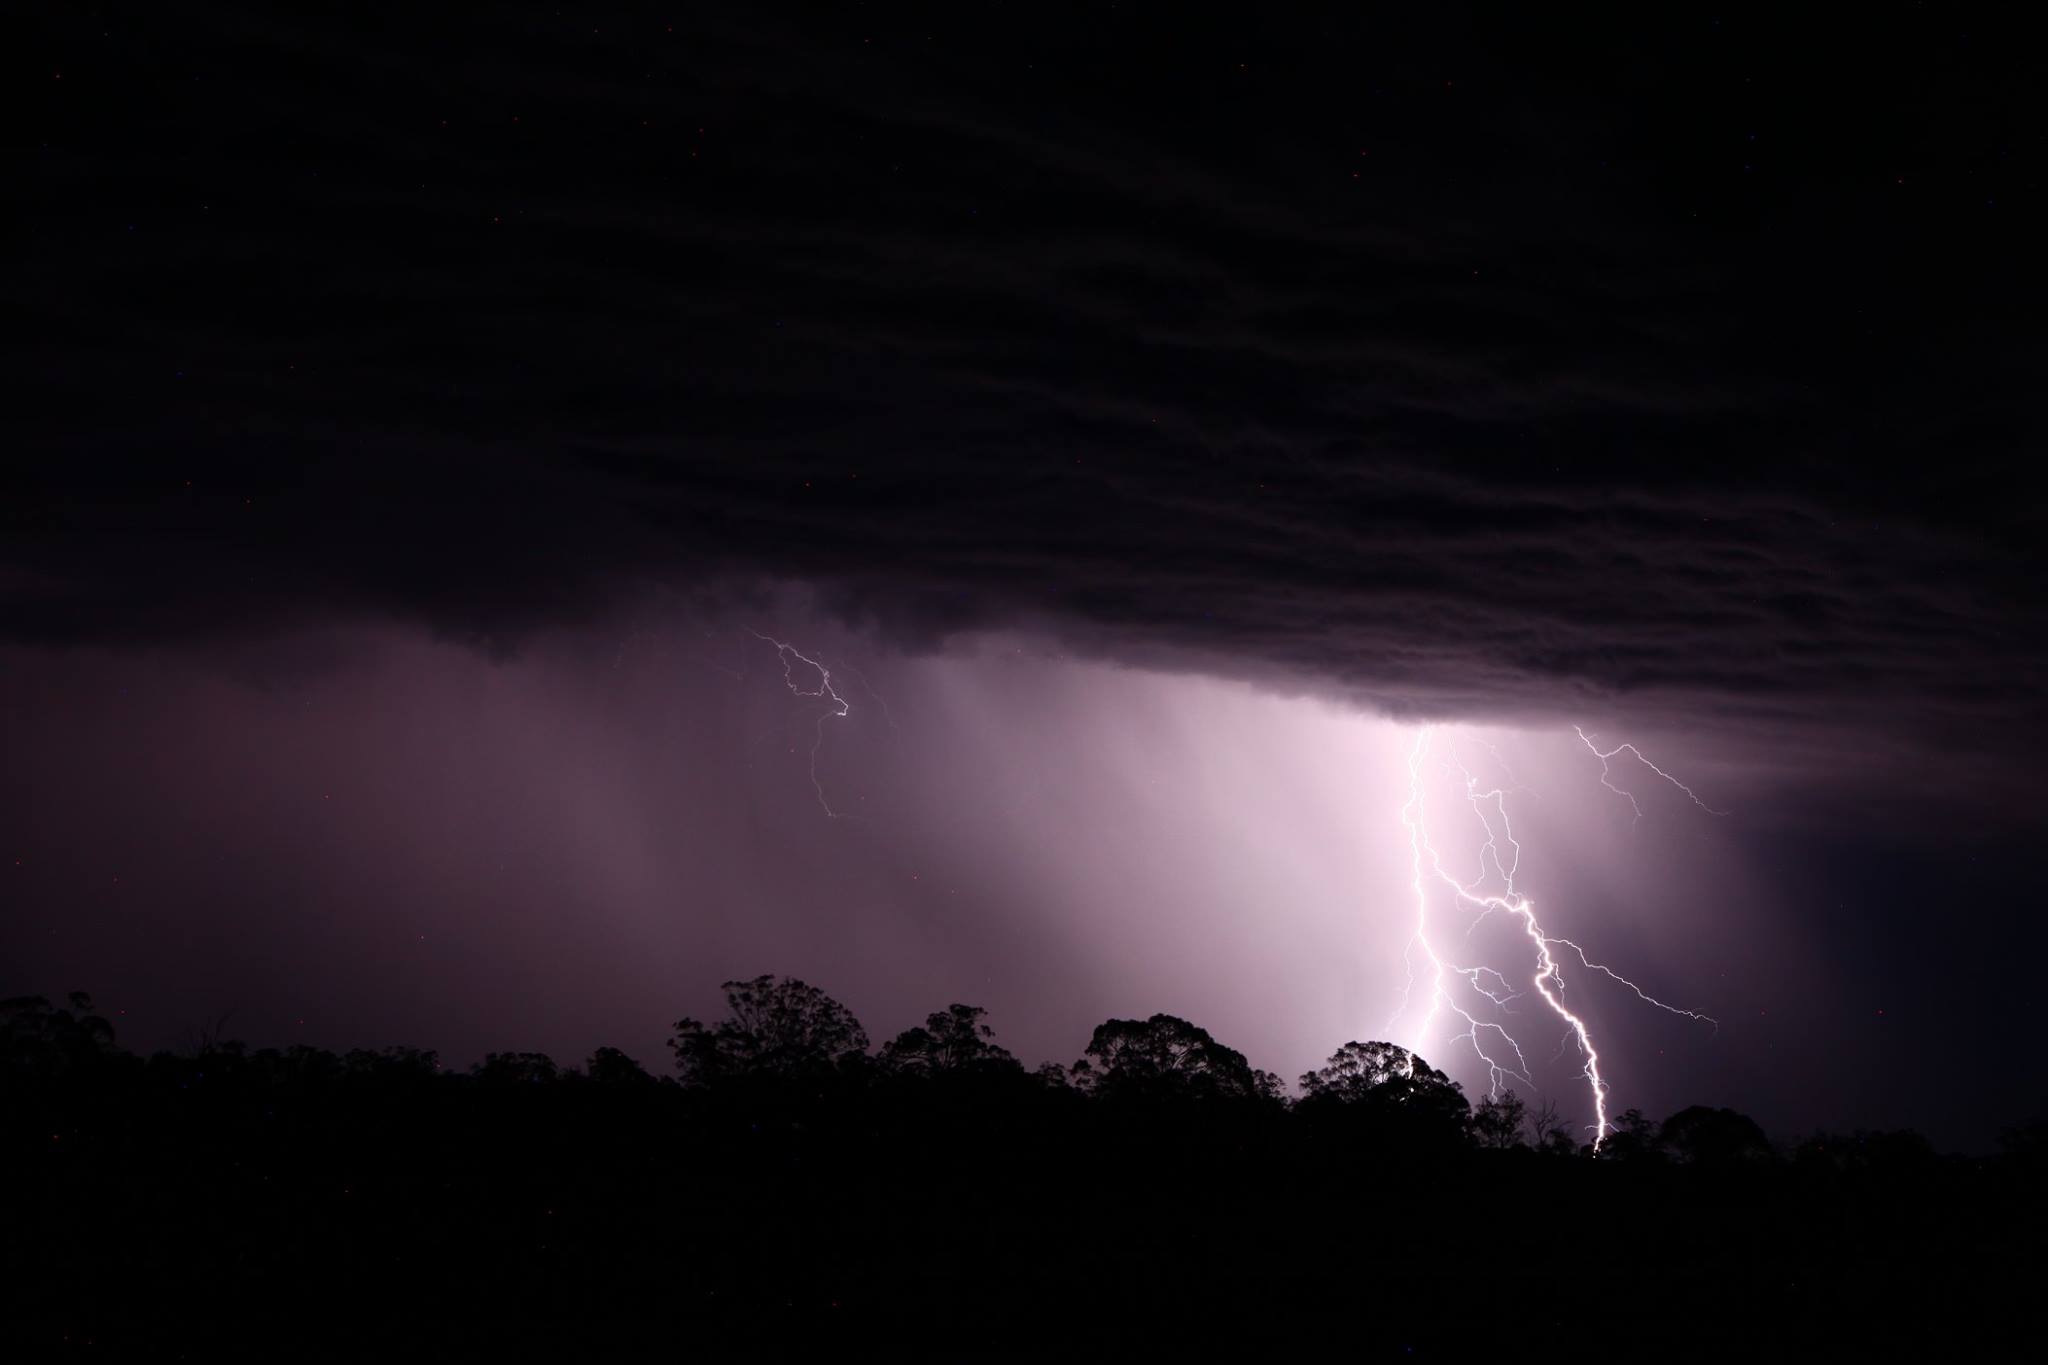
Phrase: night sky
x=1152 y=415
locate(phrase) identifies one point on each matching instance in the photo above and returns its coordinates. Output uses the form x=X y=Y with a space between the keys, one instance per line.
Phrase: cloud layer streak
x=1386 y=356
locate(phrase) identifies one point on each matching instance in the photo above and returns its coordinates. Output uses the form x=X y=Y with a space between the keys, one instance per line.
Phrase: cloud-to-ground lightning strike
x=835 y=705
x=1489 y=807
x=1471 y=992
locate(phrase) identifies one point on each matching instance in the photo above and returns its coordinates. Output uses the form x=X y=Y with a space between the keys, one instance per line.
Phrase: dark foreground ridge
x=791 y=1191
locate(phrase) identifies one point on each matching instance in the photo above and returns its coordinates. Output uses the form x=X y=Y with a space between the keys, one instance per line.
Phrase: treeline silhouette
x=790 y=1188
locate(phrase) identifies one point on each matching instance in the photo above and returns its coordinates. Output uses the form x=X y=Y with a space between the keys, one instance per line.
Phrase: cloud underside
x=1461 y=408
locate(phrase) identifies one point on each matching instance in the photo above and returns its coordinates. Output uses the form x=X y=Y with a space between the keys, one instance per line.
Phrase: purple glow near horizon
x=575 y=846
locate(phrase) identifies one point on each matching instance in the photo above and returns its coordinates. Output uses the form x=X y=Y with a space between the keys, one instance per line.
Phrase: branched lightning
x=1412 y=816
x=868 y=688
x=1641 y=994
x=836 y=704
x=1482 y=998
x=1500 y=857
x=1607 y=777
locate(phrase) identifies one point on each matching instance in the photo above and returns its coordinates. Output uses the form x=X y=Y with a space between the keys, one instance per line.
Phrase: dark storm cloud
x=1474 y=369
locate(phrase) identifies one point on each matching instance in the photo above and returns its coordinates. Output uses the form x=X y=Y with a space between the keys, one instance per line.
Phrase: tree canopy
x=1388 y=1090
x=775 y=1026
x=785 y=1182
x=949 y=1042
x=1165 y=1055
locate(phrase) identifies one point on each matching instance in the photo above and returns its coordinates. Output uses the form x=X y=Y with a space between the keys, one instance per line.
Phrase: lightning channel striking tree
x=1500 y=859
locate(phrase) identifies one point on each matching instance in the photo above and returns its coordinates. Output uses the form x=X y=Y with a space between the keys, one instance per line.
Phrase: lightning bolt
x=868 y=688
x=1497 y=1068
x=1500 y=858
x=1607 y=776
x=836 y=704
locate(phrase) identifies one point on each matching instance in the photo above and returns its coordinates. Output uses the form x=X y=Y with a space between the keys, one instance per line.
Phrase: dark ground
x=308 y=1206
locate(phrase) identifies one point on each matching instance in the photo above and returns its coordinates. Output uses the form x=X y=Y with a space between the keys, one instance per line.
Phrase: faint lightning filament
x=1607 y=777
x=836 y=704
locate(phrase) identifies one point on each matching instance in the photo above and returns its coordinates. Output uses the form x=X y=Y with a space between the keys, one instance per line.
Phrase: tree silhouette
x=1891 y=1153
x=1549 y=1132
x=517 y=1068
x=609 y=1066
x=1705 y=1136
x=777 y=1026
x=1389 y=1093
x=1165 y=1056
x=1361 y=1071
x=38 y=1039
x=1497 y=1122
x=1632 y=1137
x=939 y=1191
x=952 y=1040
x=392 y=1064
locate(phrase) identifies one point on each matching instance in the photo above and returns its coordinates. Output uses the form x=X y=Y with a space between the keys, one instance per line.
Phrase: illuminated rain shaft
x=1500 y=856
x=835 y=705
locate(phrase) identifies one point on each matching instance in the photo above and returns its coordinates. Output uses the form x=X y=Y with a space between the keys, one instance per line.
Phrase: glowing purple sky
x=411 y=421
x=370 y=837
